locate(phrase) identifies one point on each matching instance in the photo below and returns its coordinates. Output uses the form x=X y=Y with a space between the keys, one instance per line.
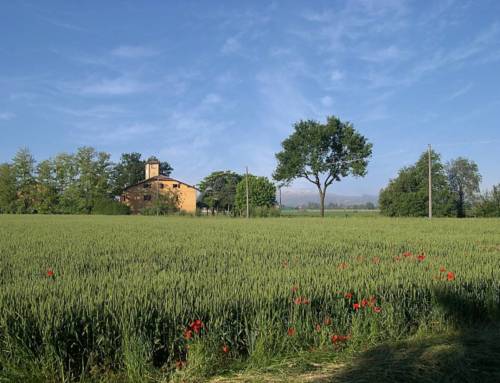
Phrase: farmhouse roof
x=161 y=177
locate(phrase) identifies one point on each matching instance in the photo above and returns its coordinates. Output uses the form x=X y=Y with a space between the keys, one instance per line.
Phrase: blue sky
x=217 y=85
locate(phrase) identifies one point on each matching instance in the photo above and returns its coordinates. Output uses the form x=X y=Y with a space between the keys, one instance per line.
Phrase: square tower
x=152 y=168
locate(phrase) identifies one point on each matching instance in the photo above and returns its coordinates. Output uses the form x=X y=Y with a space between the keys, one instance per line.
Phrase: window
x=146 y=185
x=175 y=185
x=162 y=186
x=147 y=197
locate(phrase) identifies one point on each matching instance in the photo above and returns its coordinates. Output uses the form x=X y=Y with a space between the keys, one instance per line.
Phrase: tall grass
x=125 y=290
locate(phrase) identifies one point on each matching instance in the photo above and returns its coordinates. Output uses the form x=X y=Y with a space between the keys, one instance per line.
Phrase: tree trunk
x=322 y=202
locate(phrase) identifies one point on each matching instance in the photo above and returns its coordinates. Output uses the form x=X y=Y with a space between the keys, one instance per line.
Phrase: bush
x=110 y=207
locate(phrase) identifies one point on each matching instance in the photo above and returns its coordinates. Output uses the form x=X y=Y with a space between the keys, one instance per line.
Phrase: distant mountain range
x=301 y=197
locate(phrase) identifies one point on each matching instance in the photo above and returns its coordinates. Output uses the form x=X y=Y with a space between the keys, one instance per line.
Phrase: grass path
x=459 y=357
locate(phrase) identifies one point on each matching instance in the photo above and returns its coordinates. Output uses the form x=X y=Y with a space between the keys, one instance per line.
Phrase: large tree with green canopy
x=322 y=154
x=408 y=195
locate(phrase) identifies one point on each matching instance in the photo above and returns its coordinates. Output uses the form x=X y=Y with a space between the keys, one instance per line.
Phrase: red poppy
x=377 y=309
x=348 y=295
x=442 y=269
x=297 y=300
x=180 y=364
x=356 y=306
x=294 y=289
x=343 y=266
x=290 y=331
x=338 y=338
x=50 y=273
x=421 y=257
x=225 y=349
x=188 y=334
x=364 y=302
x=305 y=301
x=327 y=321
x=407 y=254
x=450 y=276
x=196 y=326
x=318 y=328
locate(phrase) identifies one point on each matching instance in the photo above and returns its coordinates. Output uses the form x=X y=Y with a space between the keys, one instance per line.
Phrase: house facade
x=145 y=193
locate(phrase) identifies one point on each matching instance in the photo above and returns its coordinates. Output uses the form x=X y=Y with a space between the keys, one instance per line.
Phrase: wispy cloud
x=231 y=45
x=459 y=92
x=108 y=87
x=6 y=116
x=134 y=51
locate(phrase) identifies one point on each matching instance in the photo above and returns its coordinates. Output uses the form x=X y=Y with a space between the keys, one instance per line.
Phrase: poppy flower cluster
x=371 y=302
x=194 y=327
x=339 y=338
x=421 y=257
x=301 y=301
x=50 y=273
x=407 y=254
x=450 y=276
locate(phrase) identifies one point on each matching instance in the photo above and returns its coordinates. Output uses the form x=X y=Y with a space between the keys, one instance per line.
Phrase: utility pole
x=246 y=182
x=280 y=196
x=430 y=182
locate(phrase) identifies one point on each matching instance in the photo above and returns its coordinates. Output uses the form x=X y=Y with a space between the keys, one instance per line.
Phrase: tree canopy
x=261 y=194
x=81 y=183
x=464 y=179
x=407 y=194
x=219 y=190
x=322 y=154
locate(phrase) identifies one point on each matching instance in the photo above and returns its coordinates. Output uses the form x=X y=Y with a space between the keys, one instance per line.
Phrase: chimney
x=152 y=168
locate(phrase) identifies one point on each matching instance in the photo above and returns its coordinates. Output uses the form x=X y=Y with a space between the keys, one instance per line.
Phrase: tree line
x=84 y=182
x=455 y=190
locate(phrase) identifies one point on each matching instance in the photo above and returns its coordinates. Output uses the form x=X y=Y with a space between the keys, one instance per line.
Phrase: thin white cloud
x=134 y=51
x=6 y=116
x=459 y=92
x=108 y=87
x=231 y=45
x=327 y=101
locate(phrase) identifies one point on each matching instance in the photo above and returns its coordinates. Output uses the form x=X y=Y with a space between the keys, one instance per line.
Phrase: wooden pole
x=246 y=182
x=430 y=182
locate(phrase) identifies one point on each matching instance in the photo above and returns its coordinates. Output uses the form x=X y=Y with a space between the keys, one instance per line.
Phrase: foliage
x=261 y=193
x=165 y=203
x=108 y=206
x=129 y=171
x=322 y=154
x=464 y=178
x=69 y=183
x=7 y=189
x=124 y=292
x=407 y=194
x=23 y=165
x=489 y=204
x=219 y=190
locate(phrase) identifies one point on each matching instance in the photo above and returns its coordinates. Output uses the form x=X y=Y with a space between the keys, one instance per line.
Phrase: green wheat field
x=91 y=298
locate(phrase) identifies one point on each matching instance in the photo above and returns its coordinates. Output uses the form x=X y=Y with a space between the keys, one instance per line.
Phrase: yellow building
x=143 y=194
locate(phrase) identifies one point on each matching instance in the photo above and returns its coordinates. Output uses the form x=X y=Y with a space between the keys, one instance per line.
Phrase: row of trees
x=225 y=192
x=455 y=190
x=84 y=182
